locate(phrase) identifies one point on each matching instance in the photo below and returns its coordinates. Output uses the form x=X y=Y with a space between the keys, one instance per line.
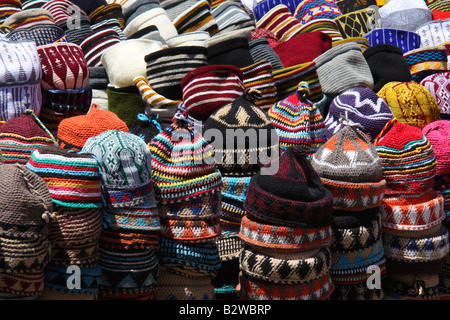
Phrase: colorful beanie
x=74 y=131
x=425 y=61
x=298 y=122
x=350 y=167
x=438 y=85
x=310 y=10
x=341 y=68
x=128 y=193
x=411 y=103
x=207 y=88
x=20 y=136
x=361 y=106
x=20 y=80
x=387 y=64
x=355 y=23
x=405 y=40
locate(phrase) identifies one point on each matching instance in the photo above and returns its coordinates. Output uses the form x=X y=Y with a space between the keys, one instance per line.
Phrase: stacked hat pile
x=298 y=121
x=129 y=239
x=187 y=188
x=350 y=168
x=286 y=233
x=237 y=161
x=74 y=182
x=26 y=201
x=437 y=133
x=415 y=240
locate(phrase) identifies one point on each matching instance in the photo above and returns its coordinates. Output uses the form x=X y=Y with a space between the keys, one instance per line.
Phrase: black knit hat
x=386 y=63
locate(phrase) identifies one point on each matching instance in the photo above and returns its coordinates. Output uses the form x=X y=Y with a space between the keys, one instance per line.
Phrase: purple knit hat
x=361 y=106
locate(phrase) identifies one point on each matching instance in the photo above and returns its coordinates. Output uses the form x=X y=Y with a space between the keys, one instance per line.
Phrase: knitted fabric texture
x=355 y=23
x=310 y=10
x=438 y=85
x=197 y=17
x=436 y=133
x=361 y=106
x=411 y=103
x=350 y=167
x=281 y=22
x=433 y=33
x=73 y=132
x=425 y=61
x=405 y=40
x=298 y=121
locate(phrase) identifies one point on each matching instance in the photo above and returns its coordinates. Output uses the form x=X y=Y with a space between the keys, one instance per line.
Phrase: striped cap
x=30 y=18
x=350 y=168
x=309 y=10
x=281 y=22
x=8 y=8
x=197 y=17
x=426 y=61
x=96 y=43
x=73 y=179
x=210 y=87
x=298 y=121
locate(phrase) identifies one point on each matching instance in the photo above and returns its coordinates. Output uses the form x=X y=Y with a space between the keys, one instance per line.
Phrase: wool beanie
x=224 y=83
x=355 y=23
x=281 y=22
x=269 y=234
x=412 y=210
x=26 y=207
x=231 y=48
x=303 y=48
x=193 y=38
x=361 y=41
x=425 y=61
x=433 y=33
x=167 y=67
x=405 y=40
x=310 y=10
x=73 y=132
x=327 y=26
x=8 y=8
x=138 y=7
x=96 y=43
x=260 y=8
x=125 y=60
x=437 y=85
x=261 y=50
x=298 y=122
x=231 y=15
x=20 y=136
x=359 y=106
x=406 y=19
x=267 y=34
x=106 y=12
x=41 y=34
x=198 y=17
x=387 y=64
x=29 y=18
x=111 y=23
x=20 y=81
x=174 y=8
x=341 y=68
x=411 y=103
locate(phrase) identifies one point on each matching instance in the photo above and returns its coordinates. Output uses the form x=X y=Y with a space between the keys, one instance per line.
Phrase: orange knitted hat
x=74 y=131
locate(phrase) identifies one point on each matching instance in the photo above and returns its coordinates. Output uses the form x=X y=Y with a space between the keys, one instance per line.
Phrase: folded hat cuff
x=123 y=240
x=295 y=268
x=355 y=196
x=67 y=100
x=424 y=249
x=143 y=218
x=349 y=259
x=417 y=216
x=132 y=197
x=254 y=289
x=280 y=237
x=31 y=286
x=192 y=231
x=268 y=207
x=204 y=255
x=191 y=38
x=235 y=187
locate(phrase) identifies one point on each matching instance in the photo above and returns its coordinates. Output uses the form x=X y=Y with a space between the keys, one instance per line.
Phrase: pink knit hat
x=438 y=133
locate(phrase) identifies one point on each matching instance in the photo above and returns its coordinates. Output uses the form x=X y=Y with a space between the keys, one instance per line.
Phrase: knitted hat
x=73 y=132
x=146 y=127
x=309 y=10
x=327 y=26
x=125 y=60
x=346 y=6
x=267 y=34
x=425 y=61
x=8 y=8
x=41 y=34
x=70 y=73
x=406 y=19
x=437 y=84
x=303 y=48
x=112 y=24
x=193 y=38
x=360 y=106
x=167 y=67
x=20 y=80
x=135 y=8
x=433 y=33
x=409 y=167
x=222 y=82
x=281 y=22
x=411 y=103
x=197 y=17
x=260 y=50
x=20 y=136
x=355 y=23
x=97 y=42
x=175 y=7
x=298 y=122
x=386 y=63
x=341 y=68
x=350 y=167
x=260 y=8
x=405 y=40
x=231 y=15
x=108 y=11
x=78 y=185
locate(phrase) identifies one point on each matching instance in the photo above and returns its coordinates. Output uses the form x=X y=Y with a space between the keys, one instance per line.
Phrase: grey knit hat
x=343 y=67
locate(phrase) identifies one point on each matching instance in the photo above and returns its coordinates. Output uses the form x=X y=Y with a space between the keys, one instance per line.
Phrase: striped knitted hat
x=260 y=8
x=174 y=7
x=20 y=136
x=438 y=85
x=425 y=61
x=20 y=80
x=350 y=167
x=71 y=70
x=298 y=122
x=281 y=22
x=310 y=10
x=261 y=50
x=208 y=88
x=231 y=15
x=360 y=106
x=197 y=17
x=166 y=68
x=95 y=43
x=8 y=8
x=411 y=103
x=108 y=11
x=74 y=131
x=409 y=167
x=41 y=34
x=73 y=179
x=135 y=8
